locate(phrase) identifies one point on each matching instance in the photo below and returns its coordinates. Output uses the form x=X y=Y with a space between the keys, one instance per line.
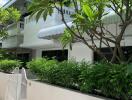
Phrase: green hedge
x=9 y=65
x=111 y=80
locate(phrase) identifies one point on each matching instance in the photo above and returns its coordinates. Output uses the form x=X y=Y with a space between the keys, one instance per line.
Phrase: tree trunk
x=121 y=53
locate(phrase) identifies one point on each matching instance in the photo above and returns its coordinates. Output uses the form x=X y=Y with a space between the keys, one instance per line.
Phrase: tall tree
x=88 y=22
x=7 y=16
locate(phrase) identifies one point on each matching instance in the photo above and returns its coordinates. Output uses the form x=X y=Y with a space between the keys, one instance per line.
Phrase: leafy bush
x=111 y=80
x=66 y=74
x=9 y=65
x=6 y=55
x=42 y=67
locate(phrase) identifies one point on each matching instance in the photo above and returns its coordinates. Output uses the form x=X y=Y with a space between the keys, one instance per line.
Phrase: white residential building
x=36 y=40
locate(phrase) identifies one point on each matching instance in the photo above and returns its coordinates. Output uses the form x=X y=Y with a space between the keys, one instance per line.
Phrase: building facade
x=35 y=40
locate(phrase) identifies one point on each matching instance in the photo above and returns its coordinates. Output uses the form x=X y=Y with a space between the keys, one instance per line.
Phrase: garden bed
x=105 y=79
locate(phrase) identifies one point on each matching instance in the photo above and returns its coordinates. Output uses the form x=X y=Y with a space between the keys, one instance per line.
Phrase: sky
x=3 y=2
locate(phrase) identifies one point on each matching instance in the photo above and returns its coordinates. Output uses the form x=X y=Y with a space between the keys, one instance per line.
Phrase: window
x=24 y=57
x=22 y=25
x=59 y=55
x=108 y=54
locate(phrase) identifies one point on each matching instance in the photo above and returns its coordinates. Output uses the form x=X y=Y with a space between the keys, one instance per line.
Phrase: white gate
x=17 y=85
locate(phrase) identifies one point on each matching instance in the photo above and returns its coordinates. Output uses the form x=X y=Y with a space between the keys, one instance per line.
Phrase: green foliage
x=66 y=74
x=41 y=67
x=3 y=33
x=6 y=16
x=41 y=8
x=9 y=65
x=129 y=69
x=66 y=38
x=111 y=79
x=88 y=16
x=90 y=12
x=107 y=79
x=5 y=55
x=9 y=14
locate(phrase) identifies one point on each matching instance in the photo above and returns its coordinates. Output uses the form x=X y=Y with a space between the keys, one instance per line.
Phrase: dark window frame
x=106 y=51
x=59 y=55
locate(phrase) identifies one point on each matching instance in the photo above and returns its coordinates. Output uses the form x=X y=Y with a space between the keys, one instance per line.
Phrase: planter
x=44 y=91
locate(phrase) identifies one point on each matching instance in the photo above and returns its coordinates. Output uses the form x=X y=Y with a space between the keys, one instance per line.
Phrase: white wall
x=15 y=36
x=128 y=41
x=3 y=85
x=81 y=52
x=32 y=28
x=12 y=29
x=41 y=91
x=10 y=42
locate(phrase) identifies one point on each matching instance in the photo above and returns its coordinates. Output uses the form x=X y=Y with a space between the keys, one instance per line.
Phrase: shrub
x=42 y=68
x=6 y=55
x=66 y=74
x=9 y=65
x=111 y=80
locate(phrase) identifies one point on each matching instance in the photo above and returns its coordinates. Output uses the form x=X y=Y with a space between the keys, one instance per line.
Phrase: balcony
x=53 y=20
x=58 y=29
x=15 y=36
x=32 y=29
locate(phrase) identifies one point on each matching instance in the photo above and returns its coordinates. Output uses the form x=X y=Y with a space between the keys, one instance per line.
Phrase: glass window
x=108 y=54
x=59 y=55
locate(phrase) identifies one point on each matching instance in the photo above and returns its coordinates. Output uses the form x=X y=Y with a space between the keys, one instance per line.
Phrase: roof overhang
x=112 y=18
x=6 y=3
x=52 y=32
